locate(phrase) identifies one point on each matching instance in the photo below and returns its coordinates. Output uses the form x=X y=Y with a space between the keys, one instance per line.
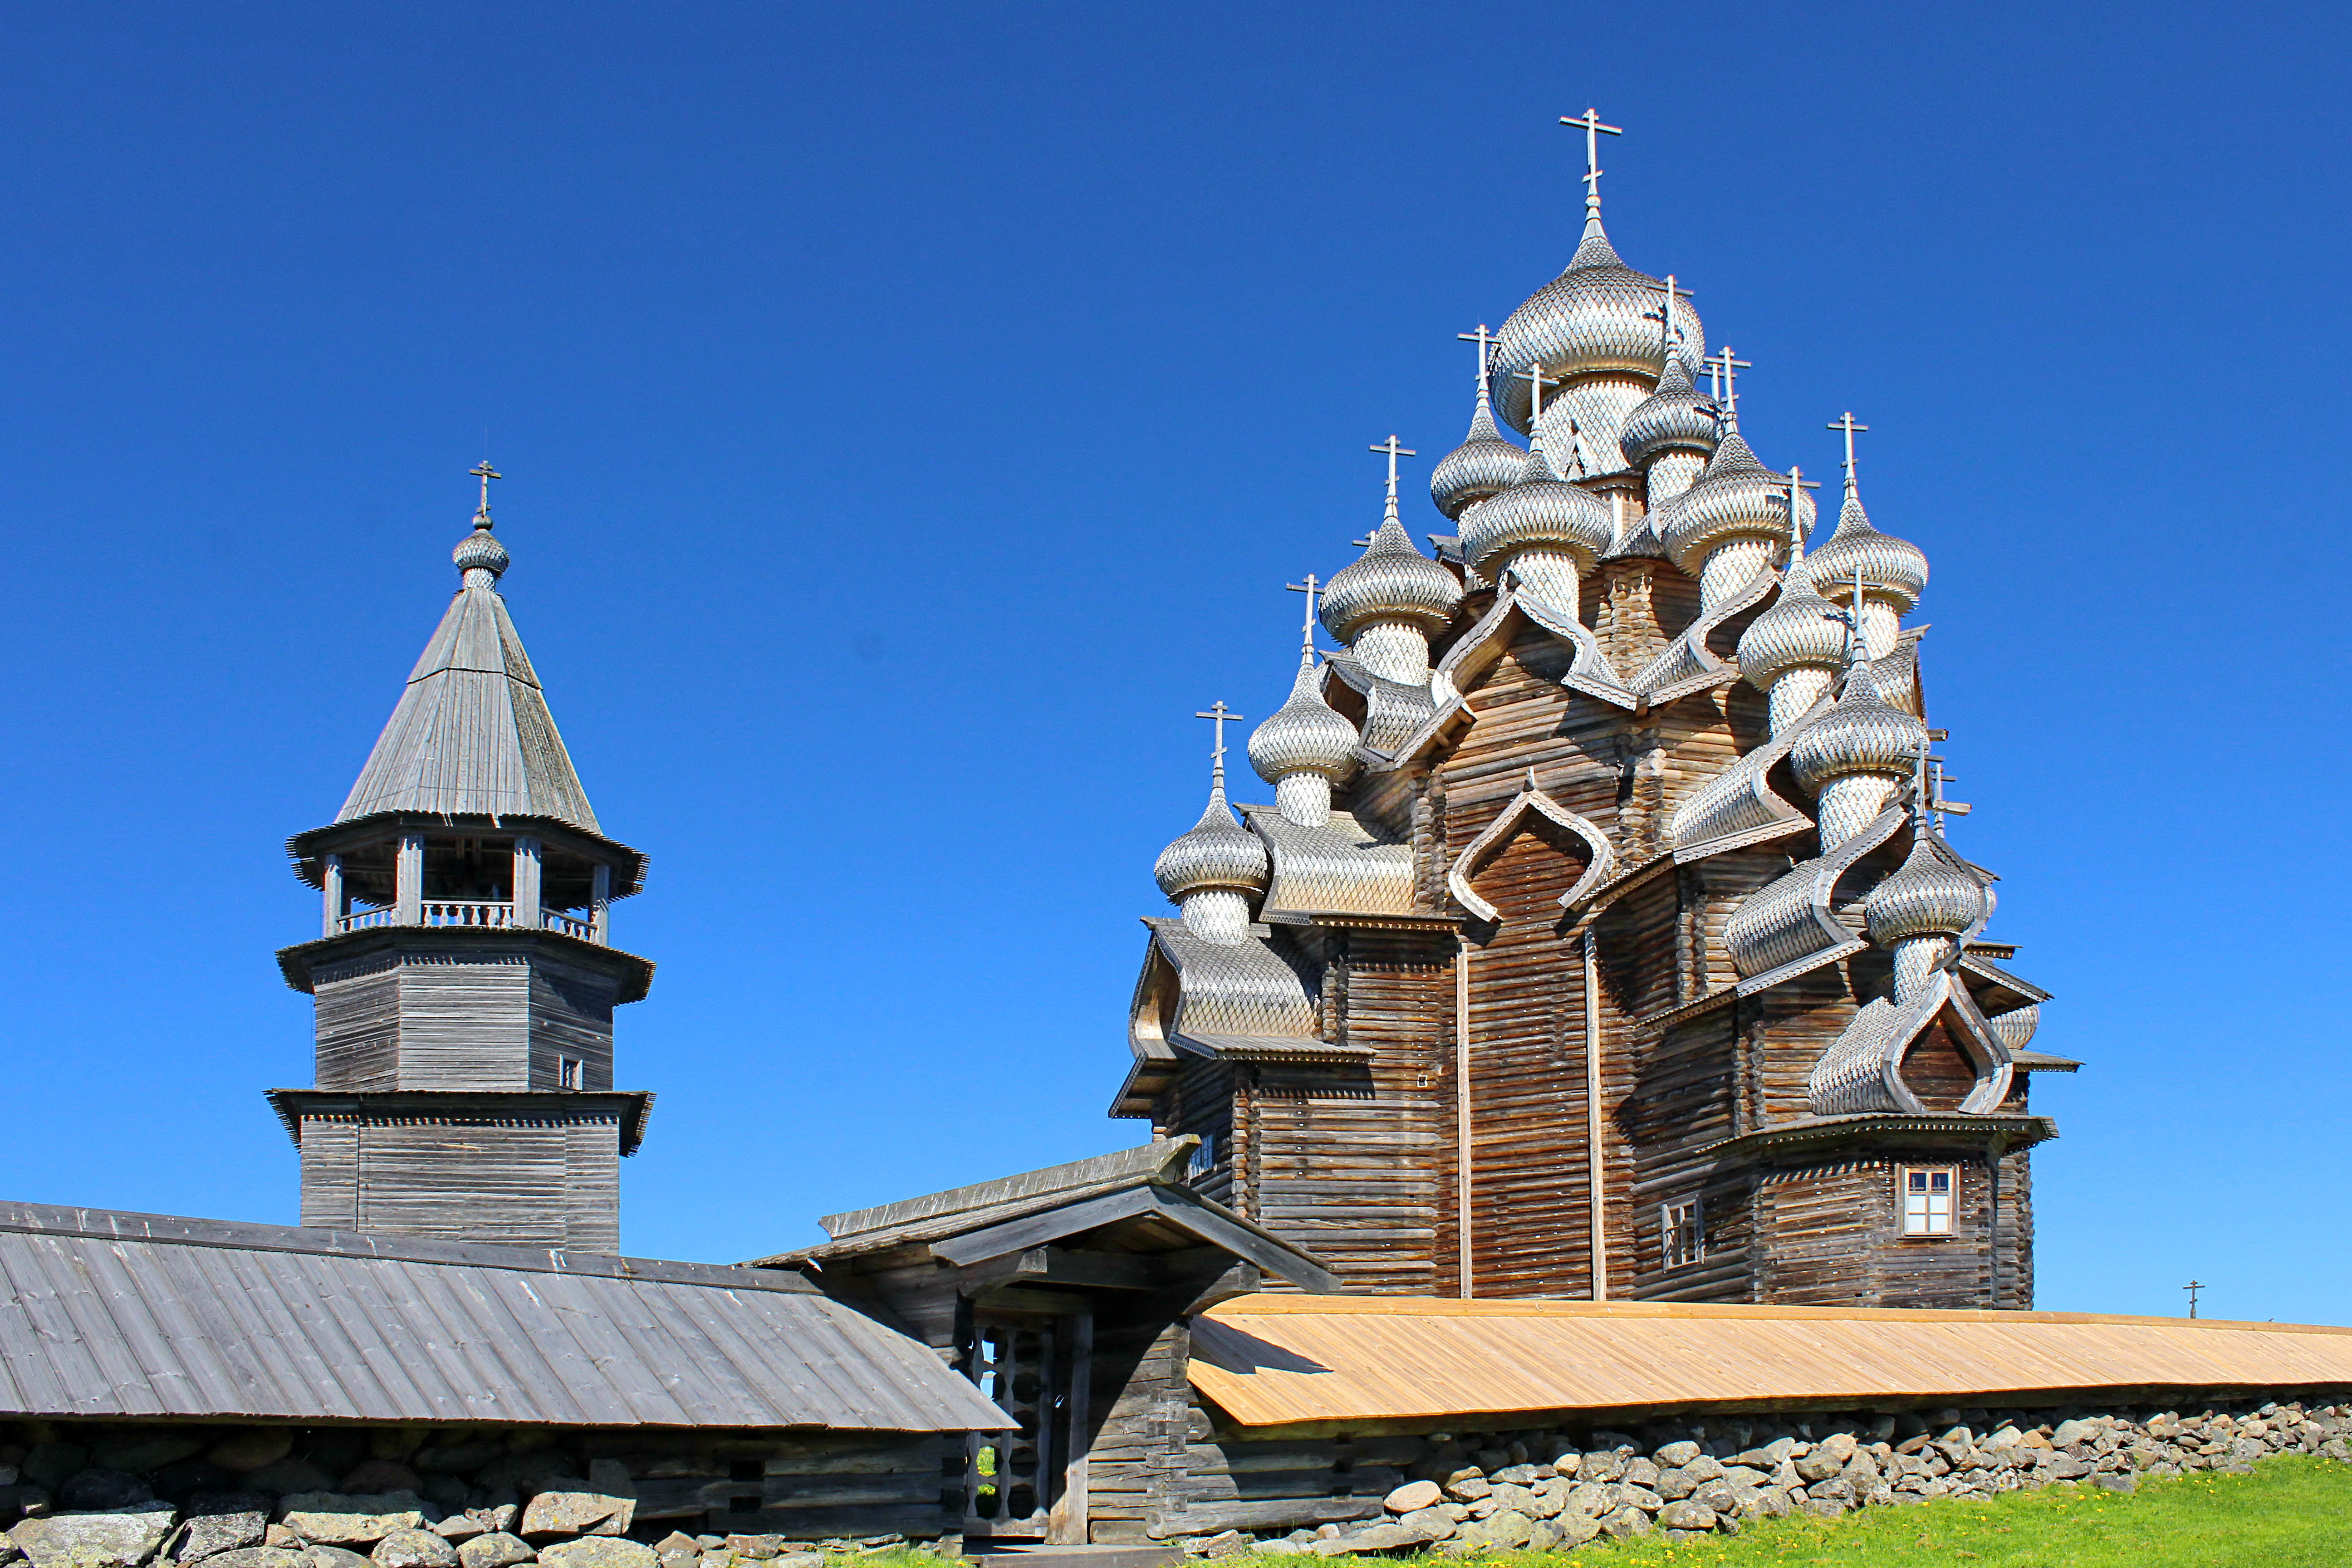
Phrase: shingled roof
x=472 y=735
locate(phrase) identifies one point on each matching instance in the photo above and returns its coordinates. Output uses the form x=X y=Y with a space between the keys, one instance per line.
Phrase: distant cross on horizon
x=1846 y=423
x=1310 y=587
x=2192 y=1288
x=1726 y=369
x=484 y=472
x=1589 y=123
x=1218 y=712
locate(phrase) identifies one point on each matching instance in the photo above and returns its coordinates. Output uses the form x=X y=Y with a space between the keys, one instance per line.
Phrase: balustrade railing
x=470 y=912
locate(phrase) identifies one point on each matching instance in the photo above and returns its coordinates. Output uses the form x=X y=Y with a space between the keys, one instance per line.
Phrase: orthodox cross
x=1850 y=618
x=1590 y=121
x=1536 y=381
x=1726 y=369
x=1310 y=587
x=2192 y=1288
x=1664 y=314
x=1486 y=343
x=1797 y=481
x=484 y=472
x=1395 y=450
x=1847 y=425
x=1219 y=713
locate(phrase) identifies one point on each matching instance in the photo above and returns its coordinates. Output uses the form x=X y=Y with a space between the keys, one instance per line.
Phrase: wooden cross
x=1847 y=425
x=1797 y=481
x=1219 y=713
x=1850 y=618
x=484 y=472
x=1536 y=381
x=1593 y=131
x=1486 y=343
x=1395 y=450
x=1310 y=587
x=2192 y=1288
x=1664 y=314
x=1726 y=369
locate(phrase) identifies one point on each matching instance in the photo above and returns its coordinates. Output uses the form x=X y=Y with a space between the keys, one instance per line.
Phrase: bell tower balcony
x=494 y=875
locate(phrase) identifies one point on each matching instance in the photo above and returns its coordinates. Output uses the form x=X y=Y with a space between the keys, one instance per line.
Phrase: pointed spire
x=1897 y=569
x=1217 y=854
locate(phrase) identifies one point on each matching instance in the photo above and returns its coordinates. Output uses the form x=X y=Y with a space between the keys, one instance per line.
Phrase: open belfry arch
x=463 y=974
x=1603 y=939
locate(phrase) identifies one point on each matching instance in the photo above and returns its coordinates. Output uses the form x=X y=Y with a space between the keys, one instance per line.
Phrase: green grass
x=2292 y=1512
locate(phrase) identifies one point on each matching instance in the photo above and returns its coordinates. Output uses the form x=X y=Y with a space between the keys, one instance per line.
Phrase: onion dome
x=1737 y=498
x=1891 y=568
x=1541 y=511
x=1798 y=632
x=1390 y=581
x=1675 y=418
x=480 y=551
x=1862 y=734
x=1305 y=735
x=1928 y=895
x=1218 y=853
x=1598 y=315
x=1484 y=463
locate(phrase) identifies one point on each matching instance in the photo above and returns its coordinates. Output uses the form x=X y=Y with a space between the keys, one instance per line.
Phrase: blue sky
x=911 y=415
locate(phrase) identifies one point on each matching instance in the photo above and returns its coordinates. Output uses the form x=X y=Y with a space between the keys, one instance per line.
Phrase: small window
x=1928 y=1192
x=1682 y=1230
x=1204 y=1158
x=567 y=1072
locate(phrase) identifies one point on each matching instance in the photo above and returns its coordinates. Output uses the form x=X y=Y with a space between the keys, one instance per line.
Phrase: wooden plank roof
x=1335 y=1363
x=111 y=1314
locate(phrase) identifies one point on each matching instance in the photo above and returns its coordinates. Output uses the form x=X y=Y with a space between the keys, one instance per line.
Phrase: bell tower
x=464 y=975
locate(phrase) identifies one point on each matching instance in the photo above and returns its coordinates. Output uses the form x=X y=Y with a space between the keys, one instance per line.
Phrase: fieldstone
x=802 y=1560
x=382 y=1476
x=414 y=1549
x=209 y=1534
x=533 y=1469
x=1626 y=1521
x=1467 y=1486
x=2124 y=1482
x=598 y=1551
x=1818 y=1465
x=1640 y=1472
x=1414 y=1496
x=1600 y=1467
x=1642 y=1498
x=1839 y=1444
x=98 y=1490
x=496 y=1550
x=459 y=1526
x=258 y=1557
x=1509 y=1529
x=283 y=1478
x=1378 y=1538
x=1687 y=1515
x=1768 y=1458
x=1674 y=1456
x=581 y=1513
x=1574 y=1529
x=341 y=1519
x=499 y=1518
x=48 y=1464
x=92 y=1539
x=332 y=1557
x=1676 y=1485
x=1432 y=1524
x=715 y=1559
x=251 y=1448
x=279 y=1536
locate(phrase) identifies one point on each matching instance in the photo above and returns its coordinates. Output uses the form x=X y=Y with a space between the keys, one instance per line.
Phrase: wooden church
x=1602 y=939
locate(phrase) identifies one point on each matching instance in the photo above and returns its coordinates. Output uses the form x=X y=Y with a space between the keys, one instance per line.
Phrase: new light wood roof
x=472 y=735
x=1364 y=1361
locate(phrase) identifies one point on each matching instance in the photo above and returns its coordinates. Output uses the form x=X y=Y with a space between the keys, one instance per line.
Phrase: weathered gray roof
x=104 y=1313
x=1161 y=1160
x=472 y=735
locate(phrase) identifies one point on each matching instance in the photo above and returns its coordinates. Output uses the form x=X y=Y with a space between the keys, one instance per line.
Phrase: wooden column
x=526 y=884
x=1596 y=1163
x=1462 y=1221
x=331 y=883
x=1067 y=1524
x=408 y=880
x=600 y=900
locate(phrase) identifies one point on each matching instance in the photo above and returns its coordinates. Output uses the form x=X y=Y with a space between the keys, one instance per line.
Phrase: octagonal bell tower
x=464 y=976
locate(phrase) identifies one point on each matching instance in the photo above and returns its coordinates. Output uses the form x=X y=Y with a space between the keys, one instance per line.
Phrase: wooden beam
x=1059 y=1265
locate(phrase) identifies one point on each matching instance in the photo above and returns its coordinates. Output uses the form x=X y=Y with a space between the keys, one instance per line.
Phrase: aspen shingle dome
x=1862 y=734
x=1217 y=853
x=1929 y=896
x=1305 y=735
x=1390 y=581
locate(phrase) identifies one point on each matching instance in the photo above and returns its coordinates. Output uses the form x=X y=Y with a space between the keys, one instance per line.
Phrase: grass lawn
x=2292 y=1512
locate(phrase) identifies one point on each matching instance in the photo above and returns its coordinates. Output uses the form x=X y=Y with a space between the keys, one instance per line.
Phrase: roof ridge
x=1160 y=1156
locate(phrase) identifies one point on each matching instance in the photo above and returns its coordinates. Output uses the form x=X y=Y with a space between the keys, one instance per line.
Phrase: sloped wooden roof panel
x=1285 y=1362
x=472 y=734
x=144 y=1315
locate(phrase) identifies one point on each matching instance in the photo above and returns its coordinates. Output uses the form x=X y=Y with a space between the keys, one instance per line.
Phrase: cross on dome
x=1797 y=481
x=1664 y=314
x=1846 y=423
x=1724 y=369
x=1218 y=712
x=1850 y=617
x=1306 y=633
x=1590 y=122
x=1394 y=449
x=1536 y=381
x=484 y=472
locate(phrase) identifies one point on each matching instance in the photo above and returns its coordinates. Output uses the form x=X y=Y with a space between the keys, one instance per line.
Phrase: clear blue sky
x=911 y=415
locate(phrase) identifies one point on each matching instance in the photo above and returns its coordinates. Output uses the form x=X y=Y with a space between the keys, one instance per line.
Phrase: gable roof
x=472 y=735
x=110 y=1314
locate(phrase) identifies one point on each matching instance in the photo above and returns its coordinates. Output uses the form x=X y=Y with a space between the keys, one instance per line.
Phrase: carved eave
x=1340 y=869
x=1530 y=800
x=1814 y=1135
x=1686 y=666
x=1788 y=928
x=631 y=1107
x=1862 y=1071
x=635 y=975
x=1223 y=1001
x=305 y=848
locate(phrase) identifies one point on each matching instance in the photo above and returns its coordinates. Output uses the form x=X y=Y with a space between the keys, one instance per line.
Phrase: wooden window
x=1682 y=1232
x=1927 y=1193
x=567 y=1072
x=1204 y=1158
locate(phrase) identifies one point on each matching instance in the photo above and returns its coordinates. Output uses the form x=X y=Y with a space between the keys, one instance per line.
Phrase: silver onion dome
x=1484 y=463
x=1677 y=418
x=1540 y=511
x=1737 y=498
x=1929 y=896
x=1218 y=853
x=1598 y=315
x=1862 y=733
x=1305 y=735
x=1797 y=633
x=1892 y=567
x=480 y=550
x=1391 y=581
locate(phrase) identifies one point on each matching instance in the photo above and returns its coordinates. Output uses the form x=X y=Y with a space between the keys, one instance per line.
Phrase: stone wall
x=111 y=1495
x=1696 y=1476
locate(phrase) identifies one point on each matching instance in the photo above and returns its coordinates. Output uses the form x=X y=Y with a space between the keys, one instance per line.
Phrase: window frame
x=1927 y=1229
x=1682 y=1232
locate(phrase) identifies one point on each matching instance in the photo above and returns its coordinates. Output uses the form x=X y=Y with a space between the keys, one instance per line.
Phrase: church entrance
x=1027 y=1482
